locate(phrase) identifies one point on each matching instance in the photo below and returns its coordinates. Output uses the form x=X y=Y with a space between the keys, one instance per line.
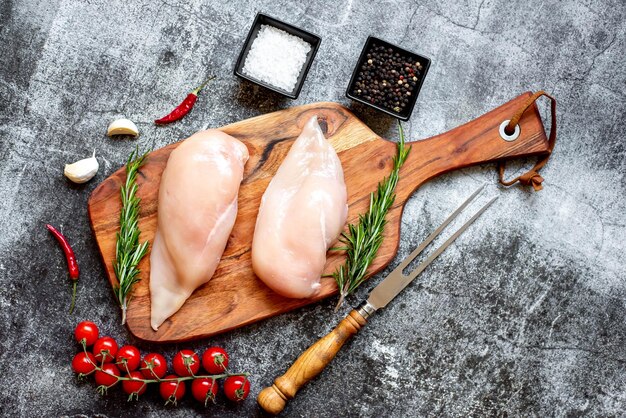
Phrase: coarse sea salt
x=276 y=57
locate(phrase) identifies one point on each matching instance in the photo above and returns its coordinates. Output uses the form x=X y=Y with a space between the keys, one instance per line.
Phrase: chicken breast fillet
x=197 y=208
x=302 y=213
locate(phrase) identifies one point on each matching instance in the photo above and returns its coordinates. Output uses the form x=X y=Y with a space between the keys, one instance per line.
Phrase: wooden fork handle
x=310 y=363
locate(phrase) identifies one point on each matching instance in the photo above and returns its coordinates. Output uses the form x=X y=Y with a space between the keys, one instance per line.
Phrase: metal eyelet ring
x=505 y=136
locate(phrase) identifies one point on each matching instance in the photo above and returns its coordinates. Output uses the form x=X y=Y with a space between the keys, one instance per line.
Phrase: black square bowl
x=405 y=113
x=309 y=37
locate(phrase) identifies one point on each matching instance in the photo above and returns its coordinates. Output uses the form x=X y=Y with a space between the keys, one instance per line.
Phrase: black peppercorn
x=387 y=78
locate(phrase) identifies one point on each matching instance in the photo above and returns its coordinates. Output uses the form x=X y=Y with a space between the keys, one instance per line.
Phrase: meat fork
x=311 y=363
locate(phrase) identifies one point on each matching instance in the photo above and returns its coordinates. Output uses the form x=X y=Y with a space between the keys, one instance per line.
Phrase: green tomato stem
x=179 y=379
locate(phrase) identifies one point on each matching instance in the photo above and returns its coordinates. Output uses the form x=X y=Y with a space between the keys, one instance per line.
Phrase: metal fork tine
x=445 y=245
x=436 y=232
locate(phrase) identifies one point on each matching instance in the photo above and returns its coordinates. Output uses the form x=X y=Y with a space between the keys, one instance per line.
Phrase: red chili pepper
x=184 y=107
x=72 y=264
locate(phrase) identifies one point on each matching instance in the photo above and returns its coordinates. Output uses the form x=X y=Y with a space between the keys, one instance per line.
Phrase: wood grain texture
x=234 y=296
x=310 y=363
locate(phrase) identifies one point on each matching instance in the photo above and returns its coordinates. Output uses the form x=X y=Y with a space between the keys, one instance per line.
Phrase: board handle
x=310 y=363
x=476 y=142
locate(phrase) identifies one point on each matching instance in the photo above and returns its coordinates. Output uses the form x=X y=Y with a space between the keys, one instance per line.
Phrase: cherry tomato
x=204 y=390
x=158 y=364
x=84 y=363
x=172 y=391
x=134 y=387
x=105 y=349
x=87 y=331
x=215 y=360
x=128 y=358
x=104 y=379
x=236 y=388
x=186 y=363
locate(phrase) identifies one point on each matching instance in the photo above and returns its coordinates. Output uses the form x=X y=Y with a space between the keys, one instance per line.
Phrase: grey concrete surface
x=522 y=316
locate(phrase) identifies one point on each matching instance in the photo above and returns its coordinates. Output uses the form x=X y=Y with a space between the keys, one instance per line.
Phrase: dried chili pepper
x=184 y=107
x=72 y=264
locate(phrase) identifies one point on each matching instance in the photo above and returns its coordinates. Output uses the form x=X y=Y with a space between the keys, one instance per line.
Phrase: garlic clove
x=122 y=127
x=83 y=170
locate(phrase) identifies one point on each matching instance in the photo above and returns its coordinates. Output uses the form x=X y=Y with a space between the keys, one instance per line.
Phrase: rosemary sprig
x=128 y=250
x=362 y=240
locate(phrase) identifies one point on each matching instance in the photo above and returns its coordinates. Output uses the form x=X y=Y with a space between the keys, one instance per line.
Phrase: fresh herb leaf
x=362 y=240
x=128 y=250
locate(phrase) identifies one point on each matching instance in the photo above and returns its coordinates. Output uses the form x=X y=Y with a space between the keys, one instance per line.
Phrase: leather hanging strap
x=532 y=177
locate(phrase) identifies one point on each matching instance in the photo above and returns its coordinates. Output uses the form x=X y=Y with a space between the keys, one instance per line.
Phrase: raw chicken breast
x=302 y=213
x=196 y=212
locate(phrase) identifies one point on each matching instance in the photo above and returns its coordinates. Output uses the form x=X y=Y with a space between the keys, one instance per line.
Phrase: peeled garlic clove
x=122 y=127
x=83 y=170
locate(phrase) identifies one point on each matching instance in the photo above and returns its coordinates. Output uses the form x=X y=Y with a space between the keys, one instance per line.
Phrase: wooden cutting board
x=235 y=296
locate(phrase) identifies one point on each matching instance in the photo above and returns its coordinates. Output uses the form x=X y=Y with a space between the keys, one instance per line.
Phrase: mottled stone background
x=522 y=316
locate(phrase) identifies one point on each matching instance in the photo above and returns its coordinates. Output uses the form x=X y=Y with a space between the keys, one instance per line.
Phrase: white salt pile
x=276 y=57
